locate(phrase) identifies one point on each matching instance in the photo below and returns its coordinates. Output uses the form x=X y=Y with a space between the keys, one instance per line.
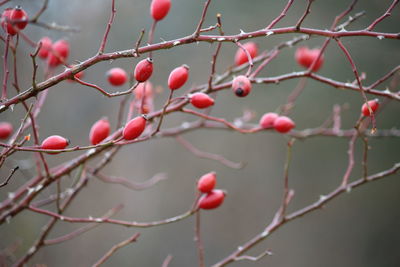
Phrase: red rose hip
x=45 y=47
x=241 y=57
x=55 y=142
x=178 y=77
x=283 y=124
x=207 y=182
x=143 y=70
x=159 y=9
x=99 y=131
x=212 y=200
x=18 y=14
x=201 y=100
x=6 y=22
x=268 y=119
x=241 y=86
x=305 y=57
x=59 y=53
x=374 y=105
x=6 y=130
x=117 y=76
x=134 y=128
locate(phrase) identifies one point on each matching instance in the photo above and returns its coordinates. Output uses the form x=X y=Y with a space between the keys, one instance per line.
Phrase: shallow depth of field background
x=357 y=229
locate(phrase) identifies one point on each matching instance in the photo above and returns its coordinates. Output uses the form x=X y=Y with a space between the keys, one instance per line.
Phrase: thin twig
x=104 y=40
x=385 y=15
x=303 y=17
x=199 y=244
x=13 y=170
x=122 y=244
x=207 y=155
x=202 y=18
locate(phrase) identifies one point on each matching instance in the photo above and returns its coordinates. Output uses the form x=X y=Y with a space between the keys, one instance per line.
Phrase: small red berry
x=374 y=105
x=6 y=130
x=45 y=48
x=18 y=14
x=268 y=119
x=54 y=142
x=145 y=89
x=159 y=9
x=134 y=128
x=59 y=53
x=283 y=124
x=178 y=77
x=6 y=22
x=143 y=70
x=13 y=20
x=241 y=57
x=241 y=86
x=212 y=199
x=201 y=100
x=305 y=57
x=99 y=131
x=207 y=182
x=117 y=76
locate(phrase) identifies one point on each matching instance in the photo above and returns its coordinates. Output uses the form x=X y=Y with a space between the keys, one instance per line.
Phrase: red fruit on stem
x=212 y=199
x=159 y=9
x=18 y=14
x=201 y=100
x=6 y=22
x=99 y=131
x=374 y=105
x=45 y=47
x=178 y=77
x=268 y=119
x=283 y=124
x=241 y=57
x=207 y=182
x=143 y=70
x=241 y=86
x=305 y=57
x=59 y=53
x=55 y=142
x=134 y=128
x=145 y=89
x=117 y=76
x=6 y=130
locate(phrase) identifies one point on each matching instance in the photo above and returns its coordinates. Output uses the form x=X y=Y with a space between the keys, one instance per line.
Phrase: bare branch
x=115 y=248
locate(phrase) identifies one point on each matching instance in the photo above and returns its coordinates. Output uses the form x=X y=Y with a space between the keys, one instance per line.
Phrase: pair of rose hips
x=142 y=72
x=56 y=53
x=14 y=20
x=281 y=124
x=99 y=131
x=132 y=130
x=211 y=198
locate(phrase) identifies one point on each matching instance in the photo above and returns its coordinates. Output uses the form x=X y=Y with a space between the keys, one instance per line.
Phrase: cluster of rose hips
x=56 y=54
x=15 y=19
x=211 y=198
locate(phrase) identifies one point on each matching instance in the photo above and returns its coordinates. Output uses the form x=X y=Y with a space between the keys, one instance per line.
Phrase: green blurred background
x=357 y=229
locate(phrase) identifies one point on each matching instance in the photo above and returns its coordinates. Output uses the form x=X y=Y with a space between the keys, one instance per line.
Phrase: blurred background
x=357 y=229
